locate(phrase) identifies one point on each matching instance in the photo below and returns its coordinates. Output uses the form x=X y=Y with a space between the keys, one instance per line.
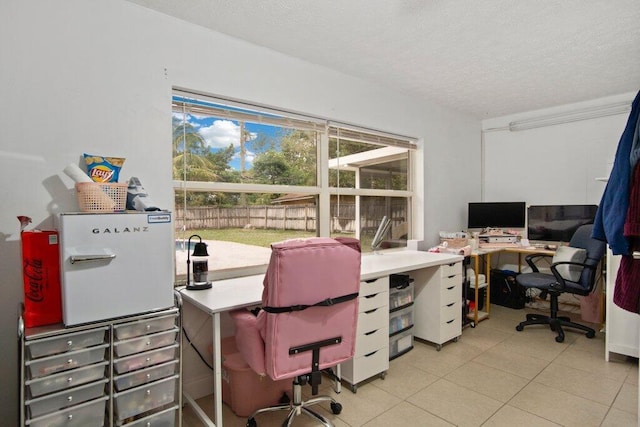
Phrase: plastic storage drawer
x=144 y=327
x=166 y=418
x=66 y=379
x=66 y=398
x=90 y=414
x=73 y=359
x=400 y=319
x=146 y=342
x=143 y=376
x=400 y=343
x=145 y=398
x=144 y=360
x=400 y=297
x=60 y=344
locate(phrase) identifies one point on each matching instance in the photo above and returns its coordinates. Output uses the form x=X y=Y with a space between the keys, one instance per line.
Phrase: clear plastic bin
x=73 y=359
x=74 y=377
x=146 y=342
x=144 y=360
x=87 y=414
x=400 y=319
x=65 y=398
x=166 y=418
x=142 y=376
x=400 y=343
x=400 y=297
x=144 y=327
x=60 y=344
x=145 y=398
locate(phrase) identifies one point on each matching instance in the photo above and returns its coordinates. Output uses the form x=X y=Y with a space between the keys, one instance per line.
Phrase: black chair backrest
x=595 y=251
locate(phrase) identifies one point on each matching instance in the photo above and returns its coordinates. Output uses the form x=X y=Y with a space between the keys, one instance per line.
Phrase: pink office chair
x=307 y=323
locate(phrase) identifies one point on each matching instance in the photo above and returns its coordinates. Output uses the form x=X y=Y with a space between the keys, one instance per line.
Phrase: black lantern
x=200 y=265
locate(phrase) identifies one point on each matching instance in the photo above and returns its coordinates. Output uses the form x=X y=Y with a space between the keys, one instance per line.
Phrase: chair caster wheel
x=251 y=422
x=591 y=334
x=559 y=339
x=336 y=408
x=473 y=324
x=519 y=328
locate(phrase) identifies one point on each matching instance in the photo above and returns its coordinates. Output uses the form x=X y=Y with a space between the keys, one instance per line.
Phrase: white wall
x=552 y=165
x=96 y=77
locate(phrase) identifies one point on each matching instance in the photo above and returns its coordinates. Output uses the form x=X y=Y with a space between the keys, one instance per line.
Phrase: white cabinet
x=438 y=303
x=110 y=373
x=621 y=326
x=372 y=334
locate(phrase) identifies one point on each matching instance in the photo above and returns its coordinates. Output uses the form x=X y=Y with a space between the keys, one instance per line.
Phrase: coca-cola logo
x=34 y=273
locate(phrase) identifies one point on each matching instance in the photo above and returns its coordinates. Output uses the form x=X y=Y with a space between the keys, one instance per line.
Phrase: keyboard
x=499 y=245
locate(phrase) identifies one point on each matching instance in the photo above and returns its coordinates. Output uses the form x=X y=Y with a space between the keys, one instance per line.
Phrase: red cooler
x=41 y=276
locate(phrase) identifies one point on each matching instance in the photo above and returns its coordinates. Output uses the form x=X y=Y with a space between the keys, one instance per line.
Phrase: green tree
x=271 y=167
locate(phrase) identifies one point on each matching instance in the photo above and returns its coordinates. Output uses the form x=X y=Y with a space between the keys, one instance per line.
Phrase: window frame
x=322 y=191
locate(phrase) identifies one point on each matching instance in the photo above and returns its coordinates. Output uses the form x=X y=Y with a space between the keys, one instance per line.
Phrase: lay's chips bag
x=103 y=169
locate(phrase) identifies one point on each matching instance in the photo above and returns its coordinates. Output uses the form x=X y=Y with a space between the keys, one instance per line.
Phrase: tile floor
x=493 y=376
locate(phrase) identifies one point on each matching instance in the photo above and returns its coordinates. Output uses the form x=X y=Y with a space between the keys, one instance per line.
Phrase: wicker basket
x=101 y=197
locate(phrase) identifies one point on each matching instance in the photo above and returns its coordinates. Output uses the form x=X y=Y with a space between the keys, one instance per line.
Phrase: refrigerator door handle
x=88 y=258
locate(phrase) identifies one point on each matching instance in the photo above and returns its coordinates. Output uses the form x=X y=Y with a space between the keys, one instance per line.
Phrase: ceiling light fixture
x=571 y=116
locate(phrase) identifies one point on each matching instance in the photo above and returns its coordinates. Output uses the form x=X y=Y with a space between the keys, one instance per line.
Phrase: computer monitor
x=558 y=223
x=497 y=215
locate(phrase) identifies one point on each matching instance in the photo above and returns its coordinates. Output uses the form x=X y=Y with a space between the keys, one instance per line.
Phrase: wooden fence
x=282 y=217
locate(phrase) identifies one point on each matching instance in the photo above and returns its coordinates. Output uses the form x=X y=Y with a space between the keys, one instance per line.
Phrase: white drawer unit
x=123 y=372
x=372 y=334
x=438 y=303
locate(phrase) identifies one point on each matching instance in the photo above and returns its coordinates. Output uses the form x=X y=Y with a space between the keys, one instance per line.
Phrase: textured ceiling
x=487 y=58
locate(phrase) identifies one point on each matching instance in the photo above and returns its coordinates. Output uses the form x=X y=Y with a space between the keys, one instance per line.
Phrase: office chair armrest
x=561 y=284
x=531 y=260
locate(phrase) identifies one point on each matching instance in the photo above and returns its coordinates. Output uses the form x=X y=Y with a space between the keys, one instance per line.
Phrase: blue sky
x=219 y=133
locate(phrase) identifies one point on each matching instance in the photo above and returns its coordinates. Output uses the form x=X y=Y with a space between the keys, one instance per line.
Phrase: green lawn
x=254 y=237
x=259 y=237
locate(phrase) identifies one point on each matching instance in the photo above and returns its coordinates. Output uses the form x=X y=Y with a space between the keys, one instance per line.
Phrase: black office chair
x=555 y=284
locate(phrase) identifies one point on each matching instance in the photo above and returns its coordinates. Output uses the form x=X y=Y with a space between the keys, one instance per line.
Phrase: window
x=246 y=176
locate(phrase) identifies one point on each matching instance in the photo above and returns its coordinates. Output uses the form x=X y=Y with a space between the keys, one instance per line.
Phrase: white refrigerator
x=115 y=264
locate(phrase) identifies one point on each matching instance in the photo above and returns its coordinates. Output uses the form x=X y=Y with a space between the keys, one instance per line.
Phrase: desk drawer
x=69 y=342
x=447 y=282
x=452 y=293
x=450 y=311
x=374 y=286
x=371 y=341
x=450 y=329
x=447 y=270
x=372 y=301
x=361 y=368
x=372 y=320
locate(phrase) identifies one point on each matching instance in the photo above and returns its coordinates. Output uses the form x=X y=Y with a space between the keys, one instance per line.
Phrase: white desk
x=229 y=294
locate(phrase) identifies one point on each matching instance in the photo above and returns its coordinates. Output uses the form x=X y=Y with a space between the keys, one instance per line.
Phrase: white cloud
x=249 y=157
x=221 y=133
